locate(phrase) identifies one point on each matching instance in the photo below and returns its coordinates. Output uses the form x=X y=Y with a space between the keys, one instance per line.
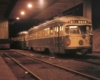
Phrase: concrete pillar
x=4 y=34
x=87 y=10
x=96 y=24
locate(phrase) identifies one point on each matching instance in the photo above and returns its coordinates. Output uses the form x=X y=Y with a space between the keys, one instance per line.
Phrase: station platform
x=5 y=71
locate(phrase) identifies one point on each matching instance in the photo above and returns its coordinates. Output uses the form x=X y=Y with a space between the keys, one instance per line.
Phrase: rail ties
x=87 y=61
x=70 y=70
x=31 y=73
x=67 y=69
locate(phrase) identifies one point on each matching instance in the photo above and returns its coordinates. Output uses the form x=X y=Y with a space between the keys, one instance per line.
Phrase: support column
x=87 y=11
x=96 y=24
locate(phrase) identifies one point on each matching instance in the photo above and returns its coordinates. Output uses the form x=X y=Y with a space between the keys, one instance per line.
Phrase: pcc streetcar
x=66 y=34
x=21 y=41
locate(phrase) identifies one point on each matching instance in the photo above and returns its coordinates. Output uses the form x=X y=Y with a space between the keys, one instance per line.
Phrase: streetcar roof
x=23 y=33
x=56 y=20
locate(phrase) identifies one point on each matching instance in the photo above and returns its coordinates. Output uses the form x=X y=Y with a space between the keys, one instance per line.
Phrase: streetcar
x=21 y=41
x=65 y=34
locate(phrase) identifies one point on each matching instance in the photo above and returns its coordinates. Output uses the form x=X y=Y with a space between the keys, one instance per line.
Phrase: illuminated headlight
x=80 y=42
x=68 y=41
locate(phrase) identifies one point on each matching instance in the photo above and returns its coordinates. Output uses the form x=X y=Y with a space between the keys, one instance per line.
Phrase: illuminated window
x=48 y=32
x=57 y=29
x=60 y=28
x=51 y=31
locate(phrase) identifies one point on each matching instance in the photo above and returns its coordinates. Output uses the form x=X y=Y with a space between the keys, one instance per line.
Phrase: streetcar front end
x=78 y=38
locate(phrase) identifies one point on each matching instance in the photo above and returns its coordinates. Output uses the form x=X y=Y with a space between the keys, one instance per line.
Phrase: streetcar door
x=57 y=39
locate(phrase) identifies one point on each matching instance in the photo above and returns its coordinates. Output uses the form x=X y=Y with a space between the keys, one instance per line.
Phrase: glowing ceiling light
x=17 y=18
x=22 y=12
x=29 y=5
x=41 y=2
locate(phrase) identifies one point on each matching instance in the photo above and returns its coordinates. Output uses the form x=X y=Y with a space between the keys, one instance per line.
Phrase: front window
x=78 y=29
x=72 y=30
x=85 y=29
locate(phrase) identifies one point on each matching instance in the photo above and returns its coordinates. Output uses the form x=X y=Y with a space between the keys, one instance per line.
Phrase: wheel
x=32 y=50
x=46 y=51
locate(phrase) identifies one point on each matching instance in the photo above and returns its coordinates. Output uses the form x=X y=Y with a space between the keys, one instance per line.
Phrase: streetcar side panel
x=47 y=38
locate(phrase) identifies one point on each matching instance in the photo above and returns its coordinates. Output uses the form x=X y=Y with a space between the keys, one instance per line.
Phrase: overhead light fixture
x=22 y=12
x=17 y=18
x=29 y=5
x=41 y=2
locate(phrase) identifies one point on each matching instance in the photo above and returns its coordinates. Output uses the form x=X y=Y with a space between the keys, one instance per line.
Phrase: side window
x=30 y=36
x=46 y=32
x=37 y=35
x=43 y=33
x=51 y=30
x=56 y=30
x=60 y=28
x=89 y=29
x=67 y=30
x=74 y=30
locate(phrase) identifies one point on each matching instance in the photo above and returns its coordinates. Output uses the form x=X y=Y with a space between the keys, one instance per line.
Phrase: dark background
x=26 y=24
x=96 y=14
x=21 y=25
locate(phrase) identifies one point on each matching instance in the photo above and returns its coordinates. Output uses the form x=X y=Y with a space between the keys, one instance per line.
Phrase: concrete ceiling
x=12 y=8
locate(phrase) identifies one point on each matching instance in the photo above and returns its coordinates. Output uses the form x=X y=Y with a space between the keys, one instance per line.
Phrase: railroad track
x=88 y=59
x=63 y=68
x=35 y=77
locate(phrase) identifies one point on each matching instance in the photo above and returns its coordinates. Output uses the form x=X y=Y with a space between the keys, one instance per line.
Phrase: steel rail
x=35 y=76
x=87 y=61
x=67 y=69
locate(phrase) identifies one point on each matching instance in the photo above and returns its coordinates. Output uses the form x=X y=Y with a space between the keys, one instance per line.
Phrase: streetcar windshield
x=78 y=30
x=85 y=29
x=72 y=30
